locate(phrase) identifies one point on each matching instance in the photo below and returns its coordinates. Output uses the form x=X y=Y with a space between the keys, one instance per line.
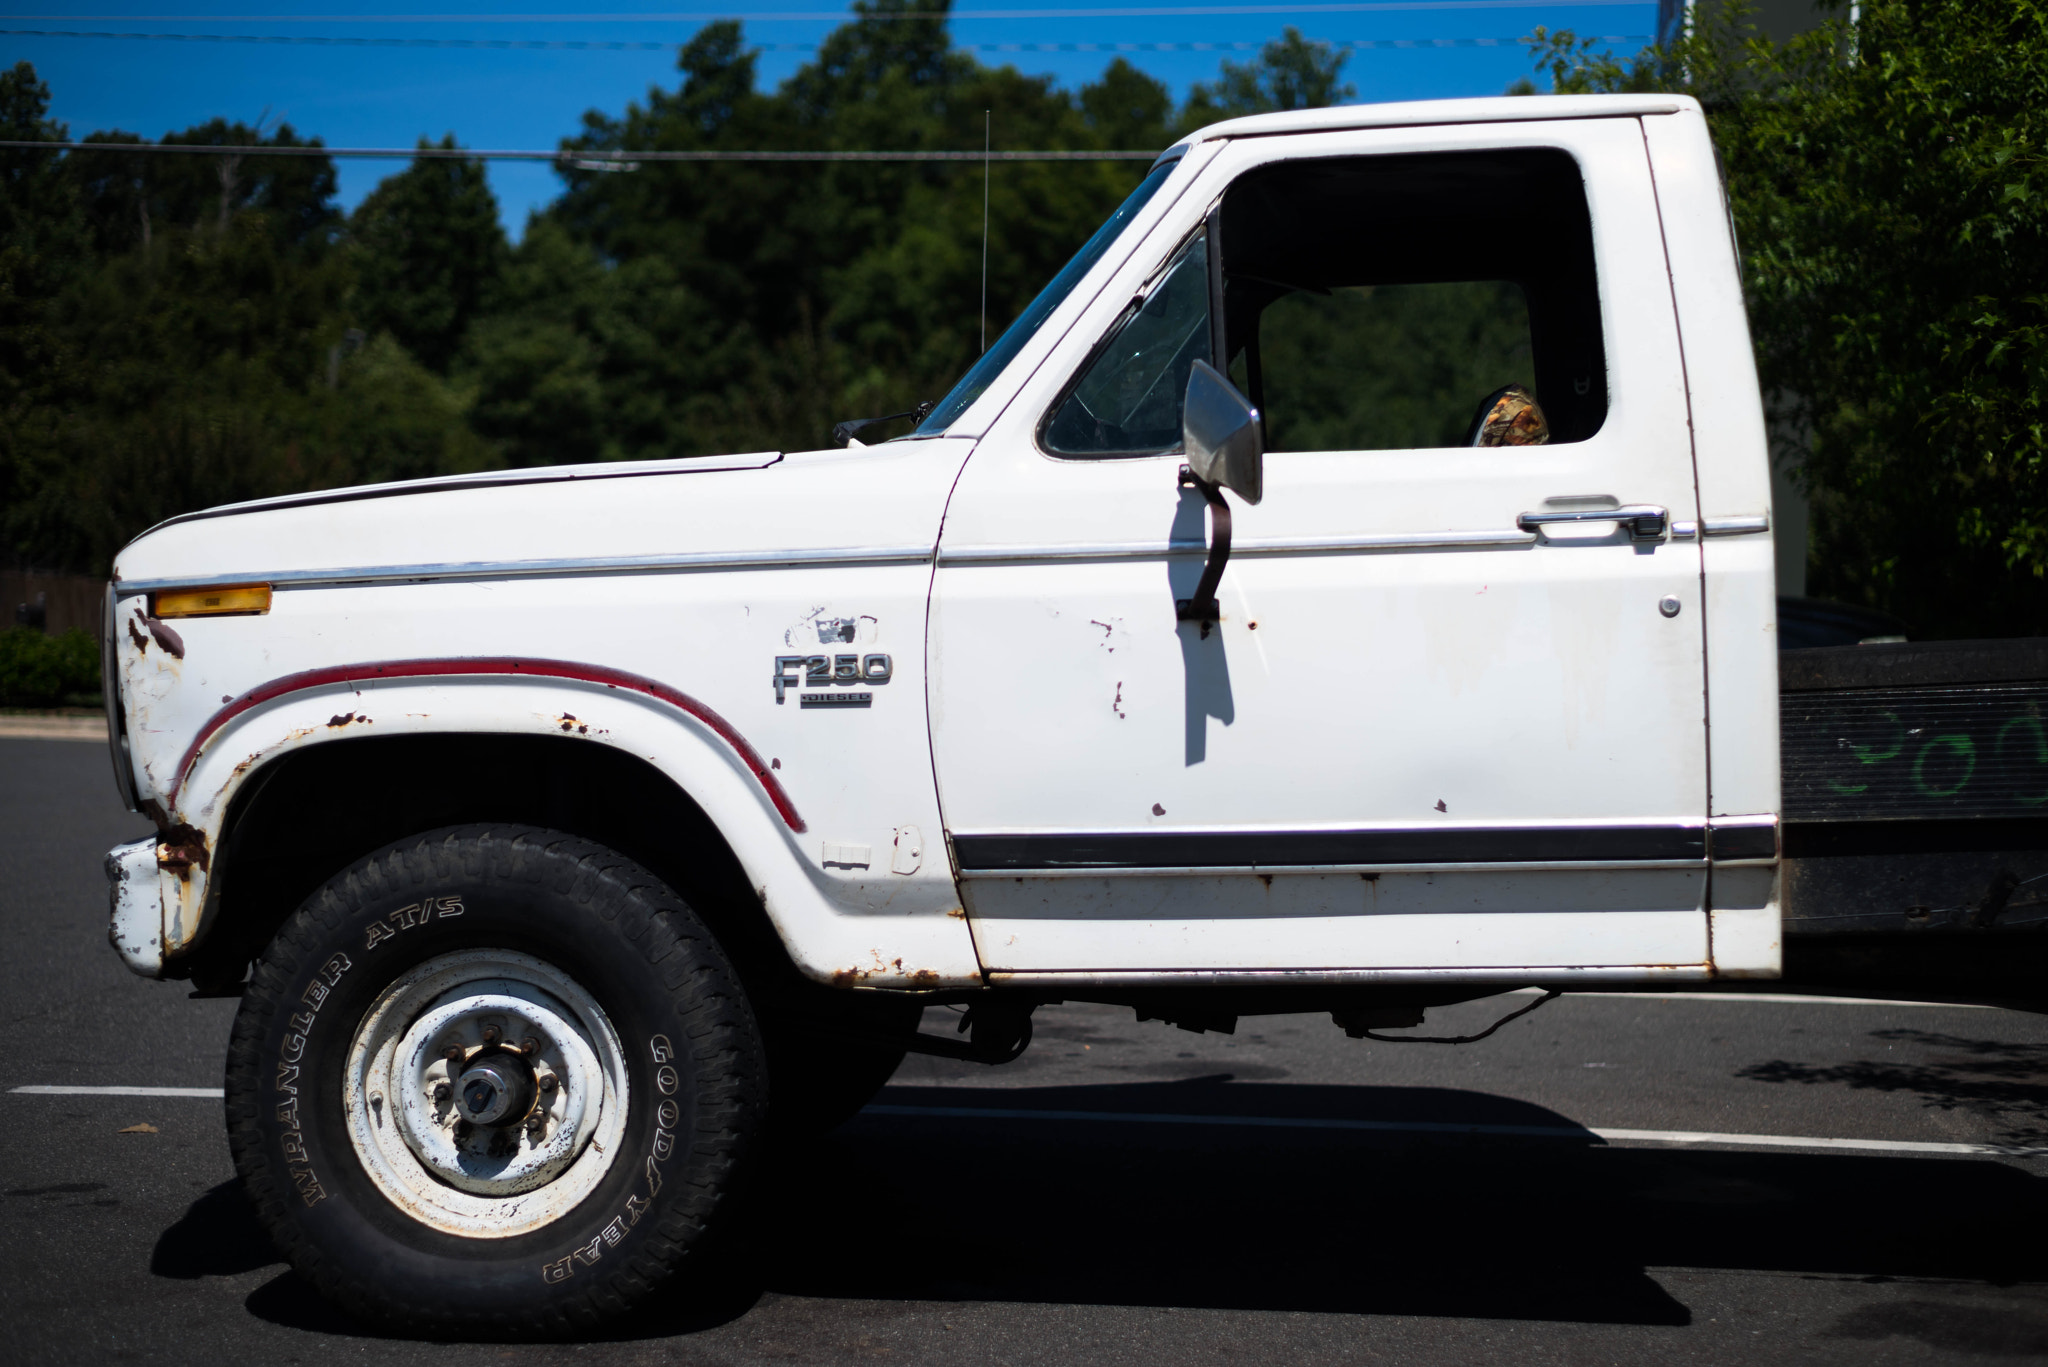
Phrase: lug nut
x=535 y=1124
x=491 y=1033
x=529 y=1046
x=548 y=1083
x=442 y=1091
x=453 y=1053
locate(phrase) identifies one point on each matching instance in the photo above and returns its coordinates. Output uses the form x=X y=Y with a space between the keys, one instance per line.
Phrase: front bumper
x=136 y=902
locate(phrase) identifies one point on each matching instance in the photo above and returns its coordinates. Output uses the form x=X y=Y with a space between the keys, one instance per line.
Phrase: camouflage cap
x=1510 y=416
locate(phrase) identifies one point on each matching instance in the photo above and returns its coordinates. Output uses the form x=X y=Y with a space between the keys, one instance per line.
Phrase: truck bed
x=1915 y=817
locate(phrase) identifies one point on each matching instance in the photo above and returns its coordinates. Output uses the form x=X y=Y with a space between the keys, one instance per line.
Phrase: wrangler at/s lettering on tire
x=492 y=1081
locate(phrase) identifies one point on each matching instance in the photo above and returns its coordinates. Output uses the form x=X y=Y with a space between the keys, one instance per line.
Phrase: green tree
x=294 y=195
x=43 y=240
x=1126 y=108
x=38 y=208
x=169 y=328
x=427 y=251
x=792 y=295
x=538 y=367
x=115 y=191
x=1891 y=195
x=1290 y=73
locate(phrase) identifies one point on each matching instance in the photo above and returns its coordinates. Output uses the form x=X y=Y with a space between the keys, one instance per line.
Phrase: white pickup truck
x=1347 y=588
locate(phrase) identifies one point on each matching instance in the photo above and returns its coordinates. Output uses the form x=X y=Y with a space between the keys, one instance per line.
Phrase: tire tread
x=692 y=968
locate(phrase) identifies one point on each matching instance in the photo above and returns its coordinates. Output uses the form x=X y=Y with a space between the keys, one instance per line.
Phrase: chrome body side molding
x=1735 y=526
x=526 y=569
x=1308 y=545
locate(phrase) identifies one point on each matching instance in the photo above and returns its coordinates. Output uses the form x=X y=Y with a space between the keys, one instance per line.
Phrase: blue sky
x=354 y=96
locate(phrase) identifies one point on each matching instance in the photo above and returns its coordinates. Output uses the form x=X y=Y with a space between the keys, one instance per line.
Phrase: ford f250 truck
x=1348 y=588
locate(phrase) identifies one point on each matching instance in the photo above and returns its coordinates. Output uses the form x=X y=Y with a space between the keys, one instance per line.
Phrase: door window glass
x=1419 y=300
x=1128 y=400
x=1373 y=367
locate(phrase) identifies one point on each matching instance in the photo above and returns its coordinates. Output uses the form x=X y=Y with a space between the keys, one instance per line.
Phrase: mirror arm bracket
x=1203 y=607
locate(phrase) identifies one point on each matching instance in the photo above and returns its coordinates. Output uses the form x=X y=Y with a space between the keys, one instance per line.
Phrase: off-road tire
x=664 y=985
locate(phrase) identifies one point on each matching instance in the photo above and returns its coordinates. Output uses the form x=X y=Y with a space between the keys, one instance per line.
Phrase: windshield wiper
x=845 y=432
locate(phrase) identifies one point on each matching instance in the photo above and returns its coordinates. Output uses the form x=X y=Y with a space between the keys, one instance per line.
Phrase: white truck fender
x=889 y=942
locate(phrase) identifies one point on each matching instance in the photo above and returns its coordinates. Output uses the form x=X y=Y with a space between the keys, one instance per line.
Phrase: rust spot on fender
x=343 y=719
x=958 y=913
x=568 y=722
x=181 y=847
x=924 y=977
x=849 y=977
x=135 y=635
x=171 y=641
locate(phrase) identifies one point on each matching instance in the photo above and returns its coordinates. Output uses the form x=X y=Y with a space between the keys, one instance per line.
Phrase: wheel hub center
x=495 y=1090
x=495 y=1079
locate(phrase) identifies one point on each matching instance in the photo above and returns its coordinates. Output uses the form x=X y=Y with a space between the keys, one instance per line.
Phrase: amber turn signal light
x=235 y=600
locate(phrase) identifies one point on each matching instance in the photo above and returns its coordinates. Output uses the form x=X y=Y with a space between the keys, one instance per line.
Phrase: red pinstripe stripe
x=494 y=664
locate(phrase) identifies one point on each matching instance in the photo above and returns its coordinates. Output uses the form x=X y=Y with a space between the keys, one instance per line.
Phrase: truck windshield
x=1028 y=322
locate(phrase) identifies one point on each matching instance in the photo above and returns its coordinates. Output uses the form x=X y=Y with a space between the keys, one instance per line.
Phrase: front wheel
x=493 y=1081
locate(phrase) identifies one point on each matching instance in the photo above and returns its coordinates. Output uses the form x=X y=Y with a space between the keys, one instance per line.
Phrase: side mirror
x=1221 y=432
x=1225 y=451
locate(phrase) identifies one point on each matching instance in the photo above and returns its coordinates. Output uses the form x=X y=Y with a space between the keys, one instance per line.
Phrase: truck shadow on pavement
x=952 y=1208
x=217 y=1237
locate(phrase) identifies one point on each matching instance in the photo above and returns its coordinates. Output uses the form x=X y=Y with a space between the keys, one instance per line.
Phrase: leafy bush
x=42 y=671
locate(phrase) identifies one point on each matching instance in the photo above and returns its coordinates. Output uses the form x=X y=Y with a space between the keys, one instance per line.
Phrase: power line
x=582 y=160
x=586 y=45
x=832 y=16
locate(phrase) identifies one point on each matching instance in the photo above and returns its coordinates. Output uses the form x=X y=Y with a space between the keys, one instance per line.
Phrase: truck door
x=1452 y=720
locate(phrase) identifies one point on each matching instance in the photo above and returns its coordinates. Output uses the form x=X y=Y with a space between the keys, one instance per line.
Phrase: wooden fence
x=67 y=600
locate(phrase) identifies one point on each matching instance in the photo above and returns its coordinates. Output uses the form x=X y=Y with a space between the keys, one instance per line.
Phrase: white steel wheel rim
x=485 y=1182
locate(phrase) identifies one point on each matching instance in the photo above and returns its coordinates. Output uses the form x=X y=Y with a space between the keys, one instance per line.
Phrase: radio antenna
x=985 y=144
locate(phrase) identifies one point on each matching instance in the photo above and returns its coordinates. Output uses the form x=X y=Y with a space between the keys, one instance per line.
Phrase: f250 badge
x=832 y=673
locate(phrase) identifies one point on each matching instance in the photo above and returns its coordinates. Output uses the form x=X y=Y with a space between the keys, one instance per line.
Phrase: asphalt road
x=919 y=1235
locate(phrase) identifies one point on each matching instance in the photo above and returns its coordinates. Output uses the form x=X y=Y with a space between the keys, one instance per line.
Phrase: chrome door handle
x=1645 y=521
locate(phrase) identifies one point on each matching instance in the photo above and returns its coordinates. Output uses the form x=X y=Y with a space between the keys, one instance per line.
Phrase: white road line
x=1775 y=1141
x=205 y=1093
